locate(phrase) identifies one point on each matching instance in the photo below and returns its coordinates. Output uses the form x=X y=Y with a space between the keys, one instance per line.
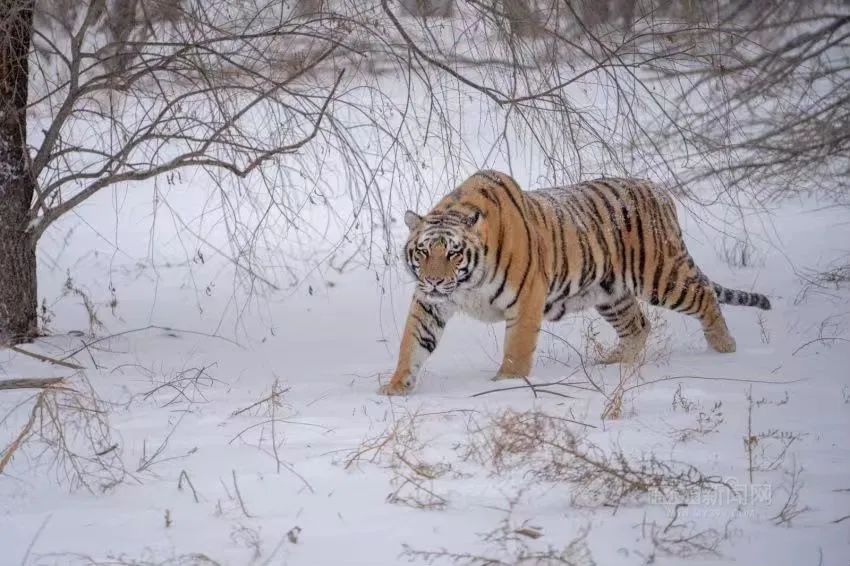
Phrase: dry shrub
x=267 y=434
x=186 y=386
x=682 y=539
x=791 y=506
x=708 y=420
x=766 y=450
x=511 y=544
x=546 y=448
x=824 y=282
x=400 y=449
x=68 y=433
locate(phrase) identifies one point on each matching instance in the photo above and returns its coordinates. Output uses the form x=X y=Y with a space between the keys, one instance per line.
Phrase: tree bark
x=18 y=293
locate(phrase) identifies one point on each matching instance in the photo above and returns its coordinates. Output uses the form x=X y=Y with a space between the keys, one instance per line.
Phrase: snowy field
x=242 y=426
x=327 y=472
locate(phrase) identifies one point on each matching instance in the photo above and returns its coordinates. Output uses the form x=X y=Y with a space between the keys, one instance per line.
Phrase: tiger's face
x=442 y=252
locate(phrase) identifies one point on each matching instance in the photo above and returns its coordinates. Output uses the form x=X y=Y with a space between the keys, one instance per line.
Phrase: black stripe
x=423 y=326
x=520 y=210
x=597 y=229
x=540 y=211
x=499 y=246
x=615 y=310
x=432 y=312
x=489 y=196
x=501 y=288
x=426 y=343
x=521 y=283
x=584 y=246
x=641 y=259
x=699 y=299
x=690 y=305
x=562 y=313
x=609 y=208
x=683 y=294
x=561 y=269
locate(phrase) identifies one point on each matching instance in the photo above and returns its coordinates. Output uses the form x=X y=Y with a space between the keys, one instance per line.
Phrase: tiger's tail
x=742 y=298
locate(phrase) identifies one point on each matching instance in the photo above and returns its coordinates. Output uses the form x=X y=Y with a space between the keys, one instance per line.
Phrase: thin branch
x=32 y=383
x=44 y=358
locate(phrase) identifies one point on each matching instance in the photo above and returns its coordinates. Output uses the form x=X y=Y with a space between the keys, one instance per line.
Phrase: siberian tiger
x=498 y=253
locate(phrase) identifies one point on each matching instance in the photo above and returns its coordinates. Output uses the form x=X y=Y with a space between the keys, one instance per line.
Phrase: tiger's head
x=443 y=250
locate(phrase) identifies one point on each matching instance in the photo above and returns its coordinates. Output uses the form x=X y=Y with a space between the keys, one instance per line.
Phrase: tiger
x=498 y=253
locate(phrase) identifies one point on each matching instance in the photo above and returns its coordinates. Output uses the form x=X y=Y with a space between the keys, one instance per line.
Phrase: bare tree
x=749 y=98
x=127 y=90
x=17 y=249
x=764 y=105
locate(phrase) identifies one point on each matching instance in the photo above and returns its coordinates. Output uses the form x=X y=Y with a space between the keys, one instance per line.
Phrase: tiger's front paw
x=396 y=387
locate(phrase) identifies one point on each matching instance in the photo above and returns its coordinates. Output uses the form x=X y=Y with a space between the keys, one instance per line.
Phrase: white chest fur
x=476 y=303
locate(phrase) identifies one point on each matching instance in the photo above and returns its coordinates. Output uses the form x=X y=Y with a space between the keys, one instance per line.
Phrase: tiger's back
x=606 y=238
x=622 y=235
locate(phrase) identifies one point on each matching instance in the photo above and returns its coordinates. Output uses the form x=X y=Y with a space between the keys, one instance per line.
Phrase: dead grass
x=707 y=420
x=511 y=543
x=766 y=450
x=791 y=506
x=401 y=450
x=824 y=282
x=682 y=539
x=267 y=434
x=547 y=448
x=67 y=434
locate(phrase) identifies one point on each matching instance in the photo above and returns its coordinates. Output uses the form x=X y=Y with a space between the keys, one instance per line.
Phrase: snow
x=153 y=265
x=330 y=349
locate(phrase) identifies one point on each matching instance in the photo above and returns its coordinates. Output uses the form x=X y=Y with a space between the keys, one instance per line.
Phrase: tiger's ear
x=412 y=219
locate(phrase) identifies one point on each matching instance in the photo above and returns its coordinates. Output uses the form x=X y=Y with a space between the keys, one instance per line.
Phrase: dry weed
x=400 y=450
x=68 y=433
x=682 y=539
x=547 y=448
x=511 y=543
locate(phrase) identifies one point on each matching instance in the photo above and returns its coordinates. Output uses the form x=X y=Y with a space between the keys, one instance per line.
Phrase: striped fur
x=498 y=253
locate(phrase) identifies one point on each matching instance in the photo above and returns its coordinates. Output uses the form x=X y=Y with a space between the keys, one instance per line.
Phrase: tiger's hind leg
x=632 y=328
x=692 y=294
x=713 y=324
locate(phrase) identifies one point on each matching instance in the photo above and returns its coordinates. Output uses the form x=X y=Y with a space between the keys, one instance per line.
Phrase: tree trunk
x=18 y=303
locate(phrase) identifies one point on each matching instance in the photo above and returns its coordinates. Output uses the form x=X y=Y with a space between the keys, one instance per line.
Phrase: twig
x=107 y=451
x=580 y=359
x=270 y=397
x=35 y=539
x=183 y=474
x=750 y=441
x=145 y=462
x=31 y=383
x=705 y=378
x=16 y=443
x=149 y=327
x=239 y=495
x=43 y=358
x=821 y=339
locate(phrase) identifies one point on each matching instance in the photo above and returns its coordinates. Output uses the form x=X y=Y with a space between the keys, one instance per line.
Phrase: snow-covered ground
x=335 y=474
